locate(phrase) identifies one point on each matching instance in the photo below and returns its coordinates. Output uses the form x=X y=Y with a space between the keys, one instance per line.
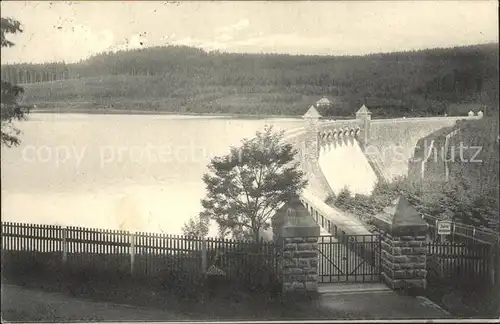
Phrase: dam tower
x=364 y=116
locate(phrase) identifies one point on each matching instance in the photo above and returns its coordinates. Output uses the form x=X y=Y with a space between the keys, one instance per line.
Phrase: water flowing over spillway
x=344 y=165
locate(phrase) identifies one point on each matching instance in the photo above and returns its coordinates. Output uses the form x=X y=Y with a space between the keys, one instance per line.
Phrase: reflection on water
x=138 y=172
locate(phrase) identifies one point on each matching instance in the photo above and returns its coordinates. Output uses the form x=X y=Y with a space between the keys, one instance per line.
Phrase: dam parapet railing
x=340 y=224
x=353 y=123
x=426 y=119
x=353 y=127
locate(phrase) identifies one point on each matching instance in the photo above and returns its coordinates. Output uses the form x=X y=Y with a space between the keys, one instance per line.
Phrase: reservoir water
x=133 y=172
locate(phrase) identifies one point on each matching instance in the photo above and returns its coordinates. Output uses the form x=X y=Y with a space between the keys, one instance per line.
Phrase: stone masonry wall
x=317 y=182
x=404 y=261
x=300 y=265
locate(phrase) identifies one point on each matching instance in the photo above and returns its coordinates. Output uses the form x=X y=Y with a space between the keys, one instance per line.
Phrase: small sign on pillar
x=443 y=229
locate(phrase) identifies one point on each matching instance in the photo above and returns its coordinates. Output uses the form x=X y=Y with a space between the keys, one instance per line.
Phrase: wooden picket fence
x=461 y=264
x=138 y=254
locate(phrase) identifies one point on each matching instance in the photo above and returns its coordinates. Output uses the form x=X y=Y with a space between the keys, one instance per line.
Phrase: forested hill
x=184 y=79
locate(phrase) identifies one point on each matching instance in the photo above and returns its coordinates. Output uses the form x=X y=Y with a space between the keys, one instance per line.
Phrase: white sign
x=444 y=227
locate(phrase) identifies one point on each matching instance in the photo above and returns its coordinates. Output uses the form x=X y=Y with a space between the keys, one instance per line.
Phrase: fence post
x=132 y=252
x=492 y=263
x=64 y=245
x=204 y=255
x=436 y=230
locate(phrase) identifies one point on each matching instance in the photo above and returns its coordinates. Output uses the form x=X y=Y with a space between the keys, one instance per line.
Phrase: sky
x=72 y=31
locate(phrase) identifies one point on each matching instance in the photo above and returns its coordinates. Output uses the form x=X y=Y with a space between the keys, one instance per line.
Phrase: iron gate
x=353 y=259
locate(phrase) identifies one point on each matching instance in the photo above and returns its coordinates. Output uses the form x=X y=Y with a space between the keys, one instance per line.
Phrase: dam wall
x=393 y=142
x=465 y=156
x=318 y=188
x=304 y=140
x=356 y=153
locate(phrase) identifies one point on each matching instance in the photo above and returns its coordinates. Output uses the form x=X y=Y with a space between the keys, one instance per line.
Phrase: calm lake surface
x=134 y=172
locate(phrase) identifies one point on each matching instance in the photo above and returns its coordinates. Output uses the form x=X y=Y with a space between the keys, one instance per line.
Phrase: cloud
x=224 y=37
x=239 y=25
x=270 y=43
x=282 y=42
x=227 y=33
x=168 y=37
x=293 y=43
x=208 y=45
x=232 y=38
x=133 y=42
x=187 y=41
x=79 y=37
x=350 y=26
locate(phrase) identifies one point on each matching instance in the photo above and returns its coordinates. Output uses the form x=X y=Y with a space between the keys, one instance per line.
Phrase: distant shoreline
x=98 y=111
x=152 y=112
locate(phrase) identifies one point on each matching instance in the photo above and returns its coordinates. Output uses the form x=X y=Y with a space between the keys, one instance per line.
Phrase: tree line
x=409 y=83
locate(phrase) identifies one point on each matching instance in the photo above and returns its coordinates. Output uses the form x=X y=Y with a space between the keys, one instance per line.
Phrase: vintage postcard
x=189 y=161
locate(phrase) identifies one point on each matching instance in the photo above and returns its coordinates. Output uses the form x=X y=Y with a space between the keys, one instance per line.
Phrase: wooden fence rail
x=462 y=264
x=151 y=254
x=475 y=234
x=139 y=254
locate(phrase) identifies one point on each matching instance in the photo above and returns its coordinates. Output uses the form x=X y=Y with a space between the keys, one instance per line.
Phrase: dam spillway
x=344 y=165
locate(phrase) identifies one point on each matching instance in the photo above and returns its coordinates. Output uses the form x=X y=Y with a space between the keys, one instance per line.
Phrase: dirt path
x=380 y=305
x=20 y=304
x=23 y=304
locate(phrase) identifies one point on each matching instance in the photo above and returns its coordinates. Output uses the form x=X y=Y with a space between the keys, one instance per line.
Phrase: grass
x=466 y=298
x=186 y=297
x=24 y=304
x=44 y=313
x=48 y=294
x=467 y=303
x=221 y=304
x=152 y=94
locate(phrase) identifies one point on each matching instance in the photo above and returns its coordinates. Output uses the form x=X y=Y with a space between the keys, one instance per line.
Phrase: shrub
x=343 y=199
x=250 y=266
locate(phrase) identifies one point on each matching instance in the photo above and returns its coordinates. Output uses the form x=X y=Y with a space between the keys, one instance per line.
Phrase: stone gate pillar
x=404 y=246
x=298 y=233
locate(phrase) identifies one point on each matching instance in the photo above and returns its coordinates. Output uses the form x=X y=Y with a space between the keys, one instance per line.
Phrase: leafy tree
x=247 y=186
x=10 y=109
x=196 y=226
